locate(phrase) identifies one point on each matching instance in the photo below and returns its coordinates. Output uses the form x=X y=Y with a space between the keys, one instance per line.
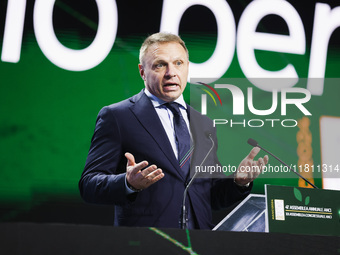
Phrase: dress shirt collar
x=159 y=102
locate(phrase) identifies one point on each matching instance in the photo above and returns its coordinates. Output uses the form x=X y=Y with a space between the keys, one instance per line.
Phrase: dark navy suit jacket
x=134 y=126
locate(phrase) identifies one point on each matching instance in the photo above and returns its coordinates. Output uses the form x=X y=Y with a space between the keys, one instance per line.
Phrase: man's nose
x=170 y=71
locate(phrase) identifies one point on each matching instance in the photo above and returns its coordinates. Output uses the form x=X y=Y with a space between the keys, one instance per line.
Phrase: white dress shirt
x=166 y=117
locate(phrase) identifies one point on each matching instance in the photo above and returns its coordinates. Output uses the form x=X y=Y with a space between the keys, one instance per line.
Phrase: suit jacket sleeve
x=103 y=179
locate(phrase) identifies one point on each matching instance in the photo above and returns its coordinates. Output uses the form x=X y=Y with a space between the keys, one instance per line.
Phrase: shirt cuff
x=128 y=189
x=242 y=186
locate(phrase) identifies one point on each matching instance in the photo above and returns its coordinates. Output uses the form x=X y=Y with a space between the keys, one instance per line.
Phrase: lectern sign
x=302 y=210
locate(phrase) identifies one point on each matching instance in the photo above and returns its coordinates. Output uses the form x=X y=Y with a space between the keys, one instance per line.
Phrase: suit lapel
x=144 y=111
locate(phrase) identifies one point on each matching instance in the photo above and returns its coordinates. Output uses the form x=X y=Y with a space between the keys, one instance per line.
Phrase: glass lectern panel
x=248 y=216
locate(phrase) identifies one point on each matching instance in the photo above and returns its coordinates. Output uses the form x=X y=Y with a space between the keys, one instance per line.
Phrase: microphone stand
x=253 y=143
x=184 y=220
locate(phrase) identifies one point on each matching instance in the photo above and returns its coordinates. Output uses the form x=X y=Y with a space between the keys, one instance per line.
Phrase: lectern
x=284 y=209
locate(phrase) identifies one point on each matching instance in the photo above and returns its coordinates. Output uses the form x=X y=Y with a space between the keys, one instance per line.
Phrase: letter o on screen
x=223 y=54
x=70 y=59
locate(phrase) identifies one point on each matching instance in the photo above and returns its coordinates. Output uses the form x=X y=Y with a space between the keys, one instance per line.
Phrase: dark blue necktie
x=185 y=150
x=182 y=138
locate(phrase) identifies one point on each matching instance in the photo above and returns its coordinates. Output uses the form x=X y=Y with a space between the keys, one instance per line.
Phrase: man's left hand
x=249 y=169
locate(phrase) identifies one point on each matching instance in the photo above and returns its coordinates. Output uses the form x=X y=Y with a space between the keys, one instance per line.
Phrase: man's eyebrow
x=161 y=60
x=157 y=61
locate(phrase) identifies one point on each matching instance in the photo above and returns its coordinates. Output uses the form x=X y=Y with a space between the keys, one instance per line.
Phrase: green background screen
x=48 y=113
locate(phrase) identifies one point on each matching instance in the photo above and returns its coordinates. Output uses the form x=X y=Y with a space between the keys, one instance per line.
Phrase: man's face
x=165 y=70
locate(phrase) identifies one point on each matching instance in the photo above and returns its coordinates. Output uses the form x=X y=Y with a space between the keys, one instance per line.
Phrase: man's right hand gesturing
x=140 y=175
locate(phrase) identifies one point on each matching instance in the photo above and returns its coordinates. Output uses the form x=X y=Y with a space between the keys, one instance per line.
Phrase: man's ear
x=141 y=71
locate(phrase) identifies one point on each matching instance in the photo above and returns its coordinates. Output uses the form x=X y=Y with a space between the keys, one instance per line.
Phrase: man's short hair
x=161 y=37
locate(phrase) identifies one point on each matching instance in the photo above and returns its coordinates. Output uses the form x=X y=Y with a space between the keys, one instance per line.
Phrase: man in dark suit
x=141 y=152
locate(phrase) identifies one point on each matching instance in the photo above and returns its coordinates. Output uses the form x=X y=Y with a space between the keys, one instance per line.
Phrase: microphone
x=184 y=222
x=253 y=143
